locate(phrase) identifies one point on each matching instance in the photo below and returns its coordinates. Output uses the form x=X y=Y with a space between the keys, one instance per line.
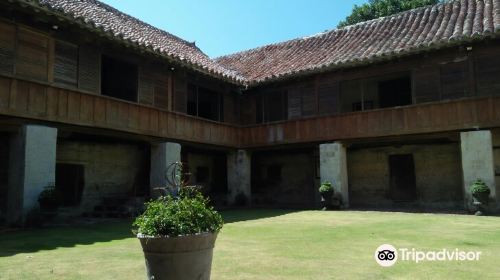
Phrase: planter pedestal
x=179 y=258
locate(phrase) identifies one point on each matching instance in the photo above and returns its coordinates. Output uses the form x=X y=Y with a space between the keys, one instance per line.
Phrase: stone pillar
x=238 y=177
x=477 y=161
x=162 y=156
x=333 y=168
x=32 y=167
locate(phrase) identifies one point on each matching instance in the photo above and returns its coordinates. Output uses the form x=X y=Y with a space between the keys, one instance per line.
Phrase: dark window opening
x=202 y=174
x=204 y=103
x=274 y=173
x=69 y=183
x=272 y=107
x=119 y=79
x=395 y=92
x=367 y=105
x=208 y=104
x=402 y=174
x=192 y=100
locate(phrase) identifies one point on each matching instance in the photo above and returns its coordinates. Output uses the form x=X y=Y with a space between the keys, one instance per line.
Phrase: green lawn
x=268 y=244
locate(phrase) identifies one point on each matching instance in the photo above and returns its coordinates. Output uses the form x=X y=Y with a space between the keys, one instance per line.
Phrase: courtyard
x=267 y=244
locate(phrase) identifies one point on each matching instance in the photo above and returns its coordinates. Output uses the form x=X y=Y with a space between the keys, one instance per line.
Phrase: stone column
x=162 y=156
x=477 y=161
x=32 y=167
x=238 y=177
x=333 y=168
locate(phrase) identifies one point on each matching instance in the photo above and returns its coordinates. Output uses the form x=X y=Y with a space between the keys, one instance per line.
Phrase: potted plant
x=177 y=232
x=49 y=199
x=326 y=192
x=481 y=195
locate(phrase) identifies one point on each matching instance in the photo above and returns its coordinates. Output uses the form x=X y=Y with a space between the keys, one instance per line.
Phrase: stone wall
x=296 y=185
x=437 y=171
x=110 y=169
x=4 y=174
x=495 y=134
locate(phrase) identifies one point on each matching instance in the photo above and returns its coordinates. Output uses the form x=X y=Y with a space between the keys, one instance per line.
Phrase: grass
x=268 y=244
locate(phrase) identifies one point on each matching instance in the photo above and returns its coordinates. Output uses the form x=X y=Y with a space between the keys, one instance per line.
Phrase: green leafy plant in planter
x=481 y=195
x=177 y=232
x=49 y=199
x=326 y=191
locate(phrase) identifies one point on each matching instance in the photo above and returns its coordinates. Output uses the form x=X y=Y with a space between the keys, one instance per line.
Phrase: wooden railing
x=481 y=112
x=34 y=100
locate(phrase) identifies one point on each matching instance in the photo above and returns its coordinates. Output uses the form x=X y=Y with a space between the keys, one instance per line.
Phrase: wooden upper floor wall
x=59 y=75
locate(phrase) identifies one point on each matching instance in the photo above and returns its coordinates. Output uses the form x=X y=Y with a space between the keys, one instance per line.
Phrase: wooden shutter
x=294 y=104
x=161 y=94
x=66 y=64
x=426 y=84
x=328 y=96
x=7 y=48
x=89 y=69
x=229 y=107
x=455 y=80
x=32 y=55
x=146 y=90
x=180 y=94
x=248 y=109
x=488 y=75
x=308 y=100
x=153 y=86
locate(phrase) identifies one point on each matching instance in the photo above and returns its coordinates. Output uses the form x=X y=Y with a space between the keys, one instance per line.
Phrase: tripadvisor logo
x=387 y=255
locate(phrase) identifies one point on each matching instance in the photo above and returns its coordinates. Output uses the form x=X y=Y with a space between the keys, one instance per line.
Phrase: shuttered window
x=32 y=55
x=426 y=83
x=180 y=94
x=328 y=96
x=146 y=89
x=66 y=64
x=89 y=66
x=294 y=103
x=7 y=48
x=455 y=80
x=153 y=86
x=488 y=75
x=308 y=101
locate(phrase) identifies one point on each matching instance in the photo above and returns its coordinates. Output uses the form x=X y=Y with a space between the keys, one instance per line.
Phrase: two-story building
x=400 y=111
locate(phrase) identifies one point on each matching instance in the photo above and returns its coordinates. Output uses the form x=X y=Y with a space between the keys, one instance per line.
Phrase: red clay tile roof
x=433 y=27
x=406 y=33
x=124 y=27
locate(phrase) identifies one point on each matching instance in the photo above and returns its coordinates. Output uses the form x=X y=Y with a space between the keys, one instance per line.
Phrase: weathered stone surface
x=32 y=168
x=110 y=169
x=477 y=160
x=162 y=156
x=437 y=170
x=333 y=168
x=238 y=175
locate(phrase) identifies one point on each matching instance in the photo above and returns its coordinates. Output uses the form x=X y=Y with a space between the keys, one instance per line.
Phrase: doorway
x=69 y=183
x=402 y=177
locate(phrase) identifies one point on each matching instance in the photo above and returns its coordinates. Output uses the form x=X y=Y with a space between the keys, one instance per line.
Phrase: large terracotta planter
x=178 y=258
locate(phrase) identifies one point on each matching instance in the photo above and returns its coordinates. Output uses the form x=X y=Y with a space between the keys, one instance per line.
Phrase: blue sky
x=226 y=26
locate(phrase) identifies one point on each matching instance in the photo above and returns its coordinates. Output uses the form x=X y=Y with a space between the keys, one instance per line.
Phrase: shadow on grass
x=34 y=240
x=233 y=216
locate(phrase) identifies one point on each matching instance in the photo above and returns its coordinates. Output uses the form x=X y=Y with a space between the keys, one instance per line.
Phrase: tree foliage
x=381 y=8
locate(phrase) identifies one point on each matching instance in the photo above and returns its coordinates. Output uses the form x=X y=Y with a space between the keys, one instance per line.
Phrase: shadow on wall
x=30 y=241
x=233 y=216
